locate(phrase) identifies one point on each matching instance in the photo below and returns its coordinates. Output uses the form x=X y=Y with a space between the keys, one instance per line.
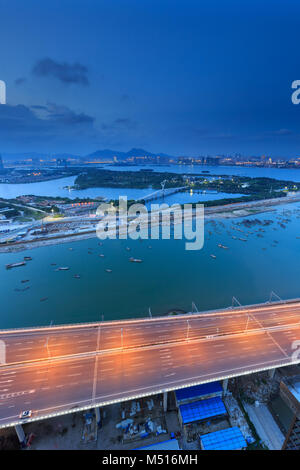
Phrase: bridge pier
x=271 y=373
x=165 y=401
x=21 y=434
x=225 y=385
x=98 y=416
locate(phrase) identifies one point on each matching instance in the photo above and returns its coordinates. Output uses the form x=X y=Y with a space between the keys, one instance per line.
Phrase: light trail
x=108 y=362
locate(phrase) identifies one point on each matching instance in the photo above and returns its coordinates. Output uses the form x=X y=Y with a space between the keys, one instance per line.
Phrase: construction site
x=257 y=411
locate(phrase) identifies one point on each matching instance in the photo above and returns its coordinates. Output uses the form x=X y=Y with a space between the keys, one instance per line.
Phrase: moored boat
x=15 y=265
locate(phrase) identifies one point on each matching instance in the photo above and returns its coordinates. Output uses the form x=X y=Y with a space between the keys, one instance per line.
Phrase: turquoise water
x=57 y=187
x=169 y=277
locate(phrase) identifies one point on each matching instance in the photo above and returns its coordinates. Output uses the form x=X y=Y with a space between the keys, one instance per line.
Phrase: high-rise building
x=290 y=393
x=1 y=165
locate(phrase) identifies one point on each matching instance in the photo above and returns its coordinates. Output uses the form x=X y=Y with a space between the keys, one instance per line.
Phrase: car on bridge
x=25 y=414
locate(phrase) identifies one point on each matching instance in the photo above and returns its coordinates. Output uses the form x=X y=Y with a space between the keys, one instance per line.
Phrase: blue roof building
x=171 y=444
x=201 y=410
x=197 y=392
x=227 y=439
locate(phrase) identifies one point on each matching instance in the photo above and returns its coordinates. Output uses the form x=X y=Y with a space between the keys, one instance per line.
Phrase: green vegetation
x=17 y=210
x=63 y=200
x=253 y=197
x=96 y=178
x=252 y=189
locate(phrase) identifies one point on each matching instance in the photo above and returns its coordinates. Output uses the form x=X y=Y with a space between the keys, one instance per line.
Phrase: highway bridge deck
x=60 y=369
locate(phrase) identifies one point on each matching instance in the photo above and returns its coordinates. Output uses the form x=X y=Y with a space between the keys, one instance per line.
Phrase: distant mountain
x=98 y=154
x=106 y=153
x=134 y=152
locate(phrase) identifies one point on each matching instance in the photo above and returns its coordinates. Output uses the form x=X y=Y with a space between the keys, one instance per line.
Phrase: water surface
x=169 y=277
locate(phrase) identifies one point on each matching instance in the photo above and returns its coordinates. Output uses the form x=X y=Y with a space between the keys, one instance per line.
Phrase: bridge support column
x=225 y=385
x=20 y=434
x=98 y=416
x=272 y=373
x=165 y=401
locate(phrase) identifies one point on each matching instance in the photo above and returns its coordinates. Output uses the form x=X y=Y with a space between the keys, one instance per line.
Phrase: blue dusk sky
x=184 y=77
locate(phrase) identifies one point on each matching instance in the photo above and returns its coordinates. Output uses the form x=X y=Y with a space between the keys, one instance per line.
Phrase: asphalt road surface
x=59 y=369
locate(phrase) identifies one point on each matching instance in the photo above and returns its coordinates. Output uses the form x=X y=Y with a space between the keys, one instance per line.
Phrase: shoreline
x=229 y=211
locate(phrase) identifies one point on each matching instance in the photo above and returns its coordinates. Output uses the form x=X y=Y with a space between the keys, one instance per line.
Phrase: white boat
x=15 y=265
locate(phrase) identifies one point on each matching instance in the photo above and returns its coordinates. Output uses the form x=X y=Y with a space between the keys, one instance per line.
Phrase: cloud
x=66 y=73
x=20 y=81
x=64 y=115
x=22 y=125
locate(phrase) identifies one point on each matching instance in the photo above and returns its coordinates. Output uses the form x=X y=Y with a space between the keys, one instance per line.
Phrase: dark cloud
x=119 y=124
x=66 y=73
x=65 y=115
x=22 y=125
x=20 y=81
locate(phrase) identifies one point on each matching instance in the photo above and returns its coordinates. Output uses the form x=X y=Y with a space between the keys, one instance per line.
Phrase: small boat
x=101 y=255
x=22 y=290
x=27 y=258
x=43 y=299
x=243 y=239
x=63 y=268
x=213 y=256
x=108 y=270
x=135 y=260
x=15 y=265
x=24 y=280
x=76 y=276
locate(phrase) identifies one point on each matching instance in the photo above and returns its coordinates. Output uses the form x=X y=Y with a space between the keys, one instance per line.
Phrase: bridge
x=62 y=369
x=162 y=193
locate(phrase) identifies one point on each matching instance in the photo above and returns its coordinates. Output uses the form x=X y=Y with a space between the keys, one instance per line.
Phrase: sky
x=181 y=77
